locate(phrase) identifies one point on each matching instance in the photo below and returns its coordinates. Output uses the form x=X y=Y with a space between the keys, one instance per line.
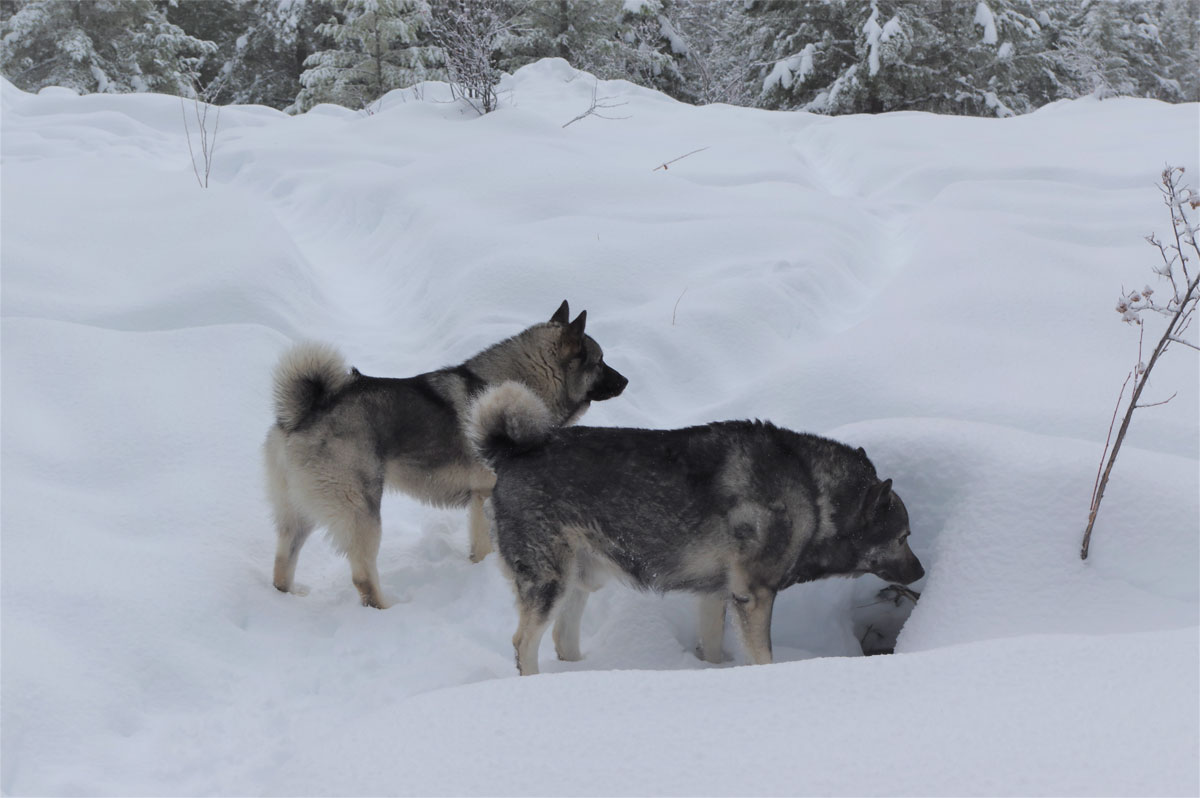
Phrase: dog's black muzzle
x=611 y=383
x=905 y=572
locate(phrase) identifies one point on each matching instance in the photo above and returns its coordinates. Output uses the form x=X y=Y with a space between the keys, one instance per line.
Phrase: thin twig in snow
x=681 y=293
x=680 y=158
x=598 y=104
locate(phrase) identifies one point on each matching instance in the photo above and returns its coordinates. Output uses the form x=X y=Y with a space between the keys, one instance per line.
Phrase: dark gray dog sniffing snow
x=733 y=511
x=340 y=437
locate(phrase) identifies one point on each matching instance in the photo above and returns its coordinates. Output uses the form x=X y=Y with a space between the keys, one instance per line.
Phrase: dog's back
x=340 y=437
x=670 y=509
x=735 y=509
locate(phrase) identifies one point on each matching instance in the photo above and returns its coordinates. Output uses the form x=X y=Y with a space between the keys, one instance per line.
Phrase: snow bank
x=938 y=290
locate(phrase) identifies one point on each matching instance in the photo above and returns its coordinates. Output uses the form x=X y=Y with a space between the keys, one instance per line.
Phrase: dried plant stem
x=1107 y=444
x=681 y=293
x=680 y=158
x=1178 y=312
x=202 y=101
x=1098 y=493
x=598 y=104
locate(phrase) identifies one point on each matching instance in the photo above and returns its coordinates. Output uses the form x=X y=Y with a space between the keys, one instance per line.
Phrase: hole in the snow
x=878 y=621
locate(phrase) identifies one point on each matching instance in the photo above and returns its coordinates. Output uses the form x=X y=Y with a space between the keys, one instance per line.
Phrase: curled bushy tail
x=507 y=419
x=307 y=375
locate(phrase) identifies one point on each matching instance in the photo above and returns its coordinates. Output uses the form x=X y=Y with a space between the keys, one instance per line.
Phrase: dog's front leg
x=754 y=618
x=481 y=542
x=712 y=629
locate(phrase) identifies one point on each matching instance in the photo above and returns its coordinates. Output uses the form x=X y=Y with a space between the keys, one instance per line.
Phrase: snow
x=996 y=104
x=791 y=70
x=890 y=28
x=985 y=19
x=679 y=45
x=938 y=290
x=101 y=78
x=873 y=32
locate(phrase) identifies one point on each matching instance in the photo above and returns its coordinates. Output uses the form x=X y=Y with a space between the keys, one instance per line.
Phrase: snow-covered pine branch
x=378 y=45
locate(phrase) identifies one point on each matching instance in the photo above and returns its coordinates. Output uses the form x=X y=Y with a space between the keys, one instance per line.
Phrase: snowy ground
x=939 y=290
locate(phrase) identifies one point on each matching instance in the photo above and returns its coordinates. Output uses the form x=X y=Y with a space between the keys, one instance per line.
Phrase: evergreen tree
x=634 y=40
x=568 y=29
x=837 y=56
x=378 y=45
x=717 y=65
x=255 y=60
x=1179 y=30
x=266 y=60
x=802 y=50
x=996 y=57
x=648 y=48
x=1120 y=51
x=993 y=58
x=99 y=46
x=218 y=21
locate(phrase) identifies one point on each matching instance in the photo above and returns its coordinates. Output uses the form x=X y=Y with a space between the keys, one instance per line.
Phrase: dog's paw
x=375 y=600
x=296 y=590
x=713 y=658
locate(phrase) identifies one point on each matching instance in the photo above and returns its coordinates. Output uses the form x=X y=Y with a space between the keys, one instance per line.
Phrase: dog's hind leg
x=292 y=526
x=293 y=530
x=481 y=542
x=536 y=603
x=566 y=627
x=527 y=639
x=712 y=629
x=362 y=533
x=344 y=494
x=754 y=618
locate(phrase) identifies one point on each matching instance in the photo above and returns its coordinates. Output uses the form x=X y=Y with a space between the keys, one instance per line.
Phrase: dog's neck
x=514 y=359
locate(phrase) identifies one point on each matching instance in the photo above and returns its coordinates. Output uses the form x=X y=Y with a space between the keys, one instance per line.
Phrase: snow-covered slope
x=938 y=290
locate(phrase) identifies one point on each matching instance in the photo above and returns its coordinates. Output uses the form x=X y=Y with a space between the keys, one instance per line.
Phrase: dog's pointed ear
x=576 y=327
x=884 y=496
x=572 y=336
x=863 y=454
x=563 y=314
x=878 y=496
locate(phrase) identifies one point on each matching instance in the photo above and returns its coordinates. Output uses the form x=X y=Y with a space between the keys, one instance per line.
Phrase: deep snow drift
x=939 y=290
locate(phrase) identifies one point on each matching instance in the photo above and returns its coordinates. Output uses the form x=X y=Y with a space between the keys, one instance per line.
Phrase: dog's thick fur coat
x=340 y=437
x=732 y=511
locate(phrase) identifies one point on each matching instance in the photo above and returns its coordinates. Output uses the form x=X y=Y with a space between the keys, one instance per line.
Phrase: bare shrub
x=203 y=100
x=1179 y=308
x=470 y=33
